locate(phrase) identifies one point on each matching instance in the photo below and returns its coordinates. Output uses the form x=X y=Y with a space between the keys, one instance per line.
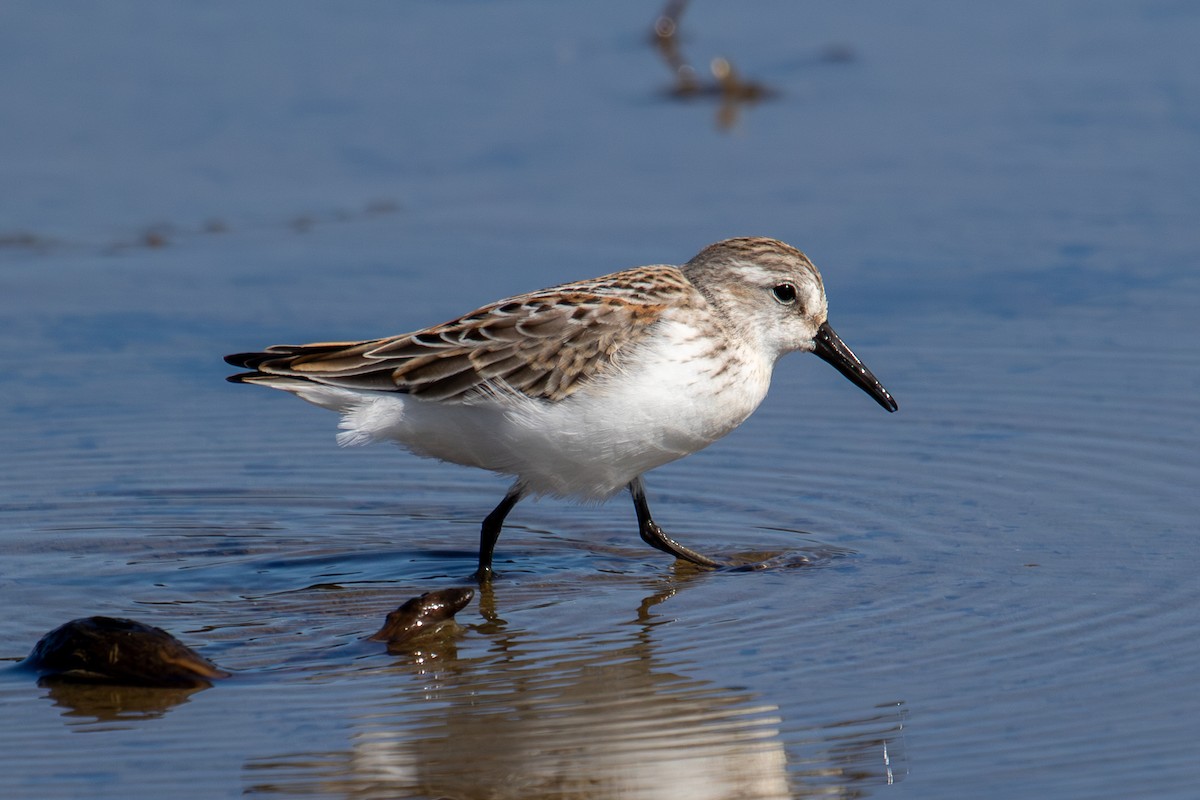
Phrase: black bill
x=831 y=348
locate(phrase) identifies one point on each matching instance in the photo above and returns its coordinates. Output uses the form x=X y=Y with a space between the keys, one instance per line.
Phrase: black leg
x=654 y=535
x=490 y=532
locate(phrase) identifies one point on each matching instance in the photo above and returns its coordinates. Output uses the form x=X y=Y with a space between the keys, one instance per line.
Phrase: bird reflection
x=597 y=717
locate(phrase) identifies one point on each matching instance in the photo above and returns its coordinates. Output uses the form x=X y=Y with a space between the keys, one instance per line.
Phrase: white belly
x=673 y=398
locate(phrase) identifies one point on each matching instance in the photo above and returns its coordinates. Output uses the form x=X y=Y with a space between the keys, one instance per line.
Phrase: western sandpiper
x=579 y=389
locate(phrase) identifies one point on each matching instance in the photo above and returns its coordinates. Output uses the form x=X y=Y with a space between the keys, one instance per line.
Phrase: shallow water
x=988 y=594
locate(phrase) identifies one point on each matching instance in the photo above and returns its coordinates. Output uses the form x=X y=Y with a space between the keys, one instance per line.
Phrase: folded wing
x=544 y=345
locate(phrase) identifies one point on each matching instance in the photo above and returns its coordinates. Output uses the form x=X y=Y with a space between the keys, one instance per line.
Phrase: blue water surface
x=990 y=594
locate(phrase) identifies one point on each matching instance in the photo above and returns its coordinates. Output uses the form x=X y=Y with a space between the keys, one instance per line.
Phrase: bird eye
x=785 y=293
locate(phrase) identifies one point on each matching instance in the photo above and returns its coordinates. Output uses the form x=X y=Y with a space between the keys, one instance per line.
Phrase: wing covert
x=544 y=345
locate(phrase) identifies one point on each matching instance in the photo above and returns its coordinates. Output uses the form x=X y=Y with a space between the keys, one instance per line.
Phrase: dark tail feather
x=248 y=360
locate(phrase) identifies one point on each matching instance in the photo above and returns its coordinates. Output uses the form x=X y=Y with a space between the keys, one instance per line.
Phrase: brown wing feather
x=545 y=344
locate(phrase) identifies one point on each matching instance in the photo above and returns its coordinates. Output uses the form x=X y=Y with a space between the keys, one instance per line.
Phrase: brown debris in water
x=422 y=617
x=729 y=88
x=119 y=651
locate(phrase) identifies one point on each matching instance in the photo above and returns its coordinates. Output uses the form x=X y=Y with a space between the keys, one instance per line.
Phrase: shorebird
x=578 y=390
